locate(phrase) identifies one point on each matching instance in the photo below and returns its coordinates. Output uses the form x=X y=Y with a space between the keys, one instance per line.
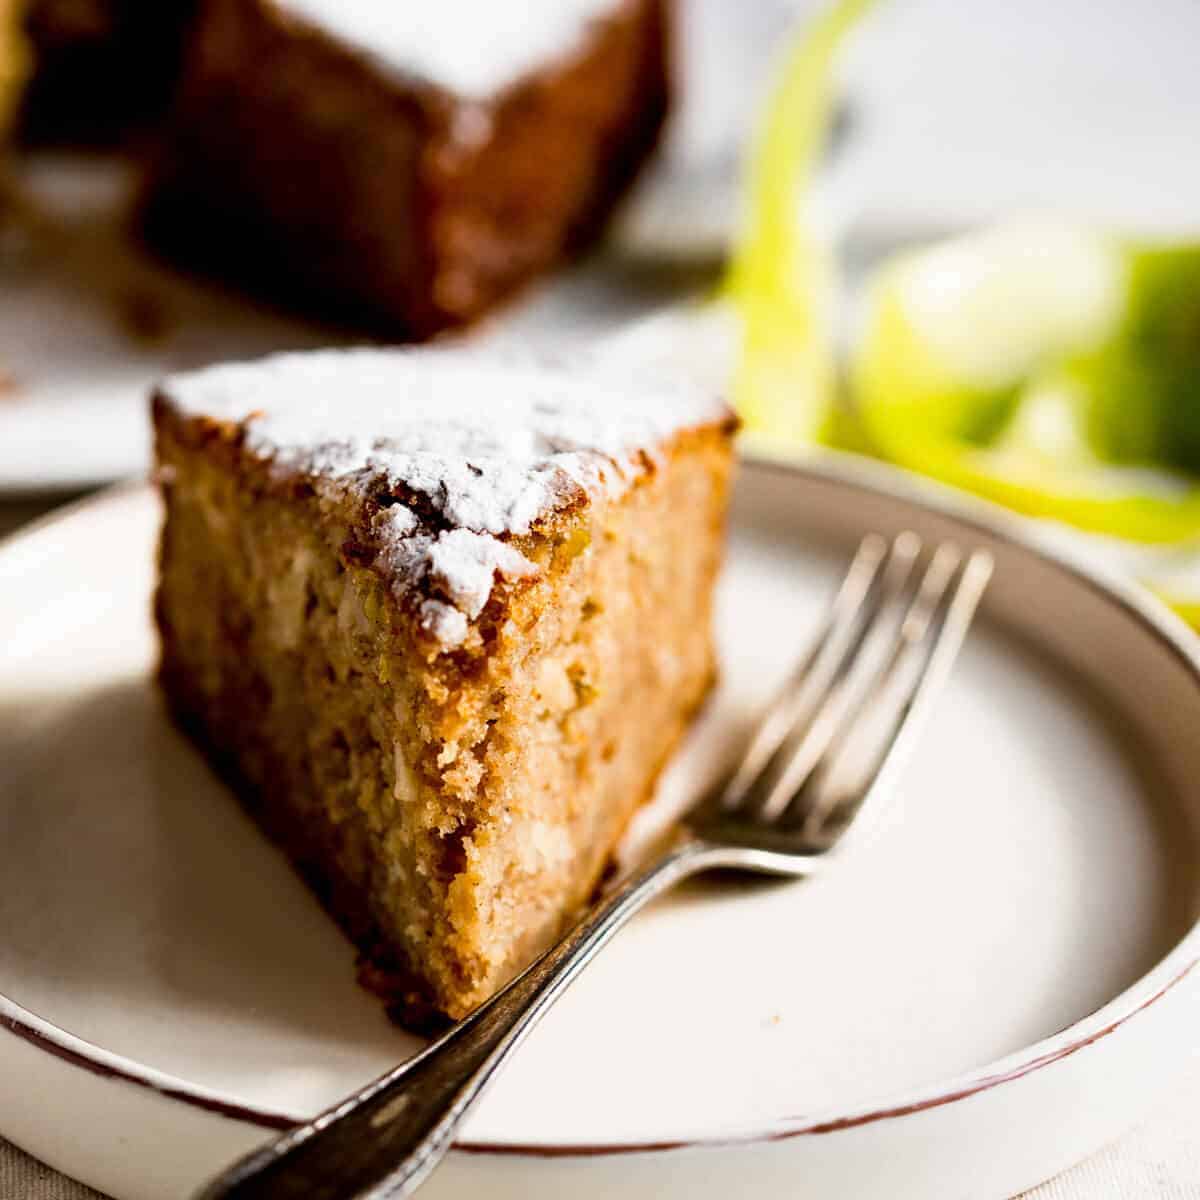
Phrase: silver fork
x=816 y=770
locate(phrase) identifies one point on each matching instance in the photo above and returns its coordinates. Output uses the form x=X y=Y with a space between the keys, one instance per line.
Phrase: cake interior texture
x=448 y=738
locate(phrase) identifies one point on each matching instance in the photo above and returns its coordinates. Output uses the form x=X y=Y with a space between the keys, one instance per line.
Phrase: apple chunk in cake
x=440 y=619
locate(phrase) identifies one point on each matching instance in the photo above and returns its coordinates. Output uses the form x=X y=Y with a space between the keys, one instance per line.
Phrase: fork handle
x=386 y=1138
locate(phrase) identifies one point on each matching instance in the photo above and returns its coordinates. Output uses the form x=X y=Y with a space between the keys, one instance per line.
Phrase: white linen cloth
x=1160 y=1160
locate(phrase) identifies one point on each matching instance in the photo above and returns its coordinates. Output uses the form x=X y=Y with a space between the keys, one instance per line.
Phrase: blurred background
x=946 y=116
x=953 y=114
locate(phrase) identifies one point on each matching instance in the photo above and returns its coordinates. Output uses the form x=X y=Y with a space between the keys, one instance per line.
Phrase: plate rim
x=839 y=468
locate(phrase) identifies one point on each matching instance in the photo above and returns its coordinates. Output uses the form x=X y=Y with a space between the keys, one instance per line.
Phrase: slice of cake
x=441 y=620
x=404 y=165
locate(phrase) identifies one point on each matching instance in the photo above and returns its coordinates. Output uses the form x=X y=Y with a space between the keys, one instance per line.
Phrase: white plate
x=989 y=992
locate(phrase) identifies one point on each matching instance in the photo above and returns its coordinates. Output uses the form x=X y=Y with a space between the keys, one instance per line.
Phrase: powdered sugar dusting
x=464 y=563
x=490 y=445
x=445 y=622
x=459 y=564
x=472 y=47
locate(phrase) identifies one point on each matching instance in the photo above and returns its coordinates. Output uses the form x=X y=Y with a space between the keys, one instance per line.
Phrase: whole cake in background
x=441 y=620
x=401 y=166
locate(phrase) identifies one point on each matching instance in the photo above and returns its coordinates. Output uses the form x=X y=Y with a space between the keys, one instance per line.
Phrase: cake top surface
x=488 y=444
x=472 y=47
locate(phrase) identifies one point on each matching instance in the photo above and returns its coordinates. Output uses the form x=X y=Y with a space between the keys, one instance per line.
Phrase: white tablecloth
x=1158 y=1161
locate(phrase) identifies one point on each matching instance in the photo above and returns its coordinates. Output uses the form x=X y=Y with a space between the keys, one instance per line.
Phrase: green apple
x=1039 y=365
x=1144 y=382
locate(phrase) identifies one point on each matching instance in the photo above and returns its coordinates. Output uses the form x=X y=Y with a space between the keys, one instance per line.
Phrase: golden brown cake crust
x=453 y=791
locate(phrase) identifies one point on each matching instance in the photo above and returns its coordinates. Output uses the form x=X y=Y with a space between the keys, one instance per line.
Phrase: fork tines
x=841 y=721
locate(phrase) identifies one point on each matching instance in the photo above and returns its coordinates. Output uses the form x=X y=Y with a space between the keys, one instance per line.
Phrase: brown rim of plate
x=838 y=470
